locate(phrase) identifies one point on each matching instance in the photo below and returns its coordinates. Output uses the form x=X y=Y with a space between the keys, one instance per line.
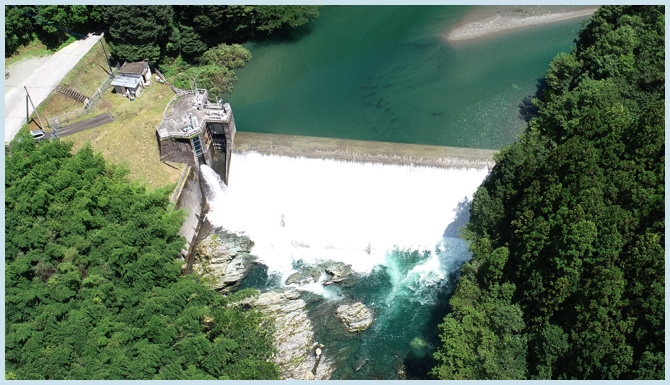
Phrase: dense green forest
x=93 y=289
x=567 y=232
x=185 y=41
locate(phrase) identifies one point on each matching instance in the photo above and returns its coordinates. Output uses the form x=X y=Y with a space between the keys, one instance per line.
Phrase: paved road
x=95 y=121
x=43 y=80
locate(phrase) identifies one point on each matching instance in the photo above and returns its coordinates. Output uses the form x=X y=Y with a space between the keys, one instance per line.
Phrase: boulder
x=399 y=367
x=359 y=363
x=294 y=335
x=222 y=259
x=355 y=317
x=337 y=272
x=304 y=276
x=419 y=347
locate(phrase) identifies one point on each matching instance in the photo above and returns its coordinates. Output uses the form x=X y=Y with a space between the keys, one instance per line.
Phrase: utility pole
x=106 y=57
x=28 y=98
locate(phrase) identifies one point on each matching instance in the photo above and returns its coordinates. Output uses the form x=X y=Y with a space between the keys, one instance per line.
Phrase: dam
x=390 y=211
x=197 y=131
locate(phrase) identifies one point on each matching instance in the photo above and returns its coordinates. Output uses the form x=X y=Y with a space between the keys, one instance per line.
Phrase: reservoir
x=388 y=73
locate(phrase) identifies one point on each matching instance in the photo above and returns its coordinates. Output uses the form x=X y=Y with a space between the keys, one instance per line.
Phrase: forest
x=184 y=41
x=93 y=288
x=567 y=279
x=93 y=285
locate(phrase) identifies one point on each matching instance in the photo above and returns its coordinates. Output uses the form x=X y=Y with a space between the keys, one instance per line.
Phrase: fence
x=57 y=121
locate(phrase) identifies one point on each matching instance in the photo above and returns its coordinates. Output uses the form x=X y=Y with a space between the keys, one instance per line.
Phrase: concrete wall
x=189 y=196
x=176 y=150
x=363 y=151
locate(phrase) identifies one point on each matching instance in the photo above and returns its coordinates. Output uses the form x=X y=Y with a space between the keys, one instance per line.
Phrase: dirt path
x=40 y=76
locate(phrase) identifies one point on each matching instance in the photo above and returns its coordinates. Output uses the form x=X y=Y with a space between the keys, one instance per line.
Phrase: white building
x=131 y=78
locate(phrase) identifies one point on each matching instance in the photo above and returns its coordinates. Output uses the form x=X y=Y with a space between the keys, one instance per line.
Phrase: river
x=383 y=74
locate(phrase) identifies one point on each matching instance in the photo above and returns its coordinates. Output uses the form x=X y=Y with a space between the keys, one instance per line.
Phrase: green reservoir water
x=386 y=73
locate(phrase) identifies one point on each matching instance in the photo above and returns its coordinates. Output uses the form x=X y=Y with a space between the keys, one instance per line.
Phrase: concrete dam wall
x=362 y=151
x=188 y=195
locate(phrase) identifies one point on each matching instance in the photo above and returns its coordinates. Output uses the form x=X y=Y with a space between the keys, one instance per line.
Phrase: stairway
x=72 y=93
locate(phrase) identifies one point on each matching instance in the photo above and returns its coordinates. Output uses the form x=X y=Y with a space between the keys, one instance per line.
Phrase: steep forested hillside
x=92 y=287
x=567 y=232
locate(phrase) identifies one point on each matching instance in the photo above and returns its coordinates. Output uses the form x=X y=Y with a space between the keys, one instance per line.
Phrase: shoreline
x=490 y=21
x=363 y=151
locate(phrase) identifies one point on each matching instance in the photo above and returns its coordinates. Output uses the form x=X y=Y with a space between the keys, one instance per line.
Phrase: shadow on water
x=462 y=217
x=284 y=35
x=528 y=110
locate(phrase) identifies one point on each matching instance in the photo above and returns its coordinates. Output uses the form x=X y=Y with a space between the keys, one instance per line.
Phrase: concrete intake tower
x=197 y=131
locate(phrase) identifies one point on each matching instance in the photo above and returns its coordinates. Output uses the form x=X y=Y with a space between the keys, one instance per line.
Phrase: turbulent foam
x=314 y=210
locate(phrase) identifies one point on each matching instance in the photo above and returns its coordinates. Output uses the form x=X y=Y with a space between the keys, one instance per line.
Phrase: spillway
x=396 y=223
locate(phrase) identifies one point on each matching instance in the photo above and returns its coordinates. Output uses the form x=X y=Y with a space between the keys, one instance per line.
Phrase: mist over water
x=395 y=225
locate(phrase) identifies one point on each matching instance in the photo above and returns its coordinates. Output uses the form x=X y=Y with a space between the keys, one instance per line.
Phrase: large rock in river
x=337 y=272
x=222 y=259
x=355 y=317
x=304 y=276
x=294 y=336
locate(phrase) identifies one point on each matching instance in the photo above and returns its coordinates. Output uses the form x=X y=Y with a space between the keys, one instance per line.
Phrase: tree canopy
x=567 y=236
x=28 y=22
x=92 y=286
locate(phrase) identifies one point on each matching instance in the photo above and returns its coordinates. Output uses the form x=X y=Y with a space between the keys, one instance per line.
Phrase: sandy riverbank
x=485 y=21
x=363 y=151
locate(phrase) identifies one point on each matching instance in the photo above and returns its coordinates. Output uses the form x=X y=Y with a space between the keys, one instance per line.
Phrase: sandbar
x=485 y=21
x=360 y=151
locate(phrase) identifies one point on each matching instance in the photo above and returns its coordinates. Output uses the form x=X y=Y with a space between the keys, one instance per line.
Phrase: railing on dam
x=187 y=113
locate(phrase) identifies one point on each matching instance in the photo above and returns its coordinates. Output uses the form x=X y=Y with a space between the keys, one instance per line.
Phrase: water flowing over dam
x=394 y=222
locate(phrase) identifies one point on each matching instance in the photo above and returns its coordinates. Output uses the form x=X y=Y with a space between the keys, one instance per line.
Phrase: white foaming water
x=316 y=210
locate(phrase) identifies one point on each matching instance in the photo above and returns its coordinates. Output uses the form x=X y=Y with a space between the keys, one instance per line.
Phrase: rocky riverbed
x=223 y=259
x=322 y=312
x=299 y=356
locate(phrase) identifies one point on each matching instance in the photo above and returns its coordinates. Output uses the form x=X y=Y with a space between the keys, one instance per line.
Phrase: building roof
x=136 y=68
x=126 y=81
